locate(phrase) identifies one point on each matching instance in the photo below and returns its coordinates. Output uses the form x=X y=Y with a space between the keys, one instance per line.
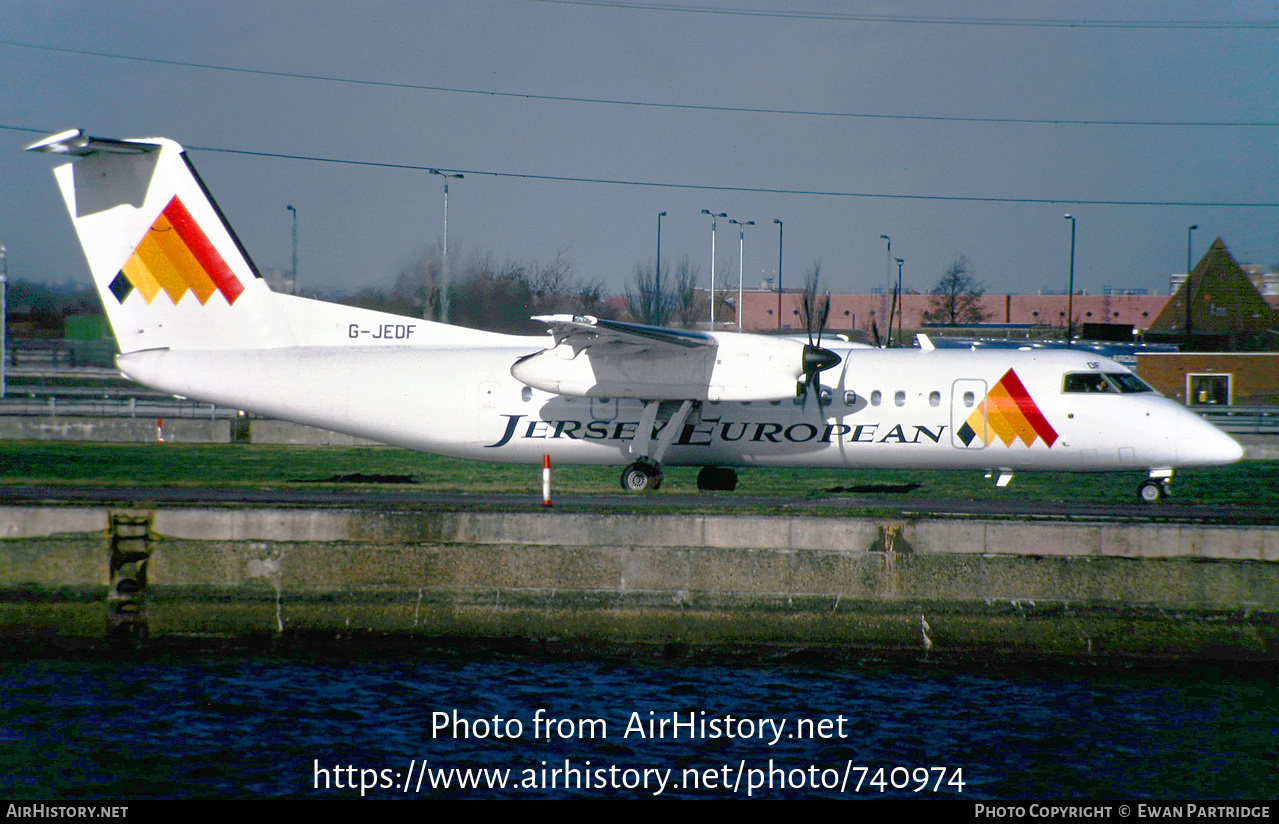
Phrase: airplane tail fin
x=168 y=268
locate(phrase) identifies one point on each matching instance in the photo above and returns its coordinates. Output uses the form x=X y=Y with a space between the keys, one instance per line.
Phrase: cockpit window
x=1086 y=382
x=1125 y=382
x=1128 y=382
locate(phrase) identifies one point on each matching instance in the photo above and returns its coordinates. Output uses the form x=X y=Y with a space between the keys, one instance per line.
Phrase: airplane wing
x=582 y=331
x=594 y=357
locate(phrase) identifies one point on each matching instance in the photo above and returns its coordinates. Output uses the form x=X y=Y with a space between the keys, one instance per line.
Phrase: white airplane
x=193 y=317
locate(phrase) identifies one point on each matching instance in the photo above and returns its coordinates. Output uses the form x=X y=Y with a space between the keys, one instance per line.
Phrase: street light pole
x=741 y=262
x=714 y=217
x=779 y=271
x=1189 y=233
x=888 y=281
x=901 y=341
x=295 y=248
x=1070 y=298
x=444 y=278
x=658 y=314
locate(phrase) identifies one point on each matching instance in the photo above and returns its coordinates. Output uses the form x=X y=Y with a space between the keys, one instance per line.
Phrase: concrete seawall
x=728 y=585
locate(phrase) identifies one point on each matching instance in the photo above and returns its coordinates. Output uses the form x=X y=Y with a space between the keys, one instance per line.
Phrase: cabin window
x=899 y=398
x=850 y=399
x=934 y=398
x=526 y=394
x=969 y=399
x=875 y=398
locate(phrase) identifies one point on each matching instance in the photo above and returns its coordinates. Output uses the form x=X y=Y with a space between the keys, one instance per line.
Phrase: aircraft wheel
x=1152 y=492
x=717 y=478
x=638 y=477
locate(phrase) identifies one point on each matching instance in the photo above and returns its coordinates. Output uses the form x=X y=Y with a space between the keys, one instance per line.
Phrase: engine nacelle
x=739 y=367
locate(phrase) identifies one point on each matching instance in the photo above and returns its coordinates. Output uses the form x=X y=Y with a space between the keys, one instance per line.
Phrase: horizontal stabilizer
x=76 y=143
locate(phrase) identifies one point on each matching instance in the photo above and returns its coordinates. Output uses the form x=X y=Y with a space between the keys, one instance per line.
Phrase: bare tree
x=690 y=305
x=956 y=298
x=557 y=289
x=417 y=287
x=643 y=300
x=814 y=305
x=589 y=299
x=504 y=298
x=407 y=294
x=486 y=295
x=725 y=296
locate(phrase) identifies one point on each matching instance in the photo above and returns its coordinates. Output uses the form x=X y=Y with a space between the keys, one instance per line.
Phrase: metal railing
x=1242 y=420
x=112 y=407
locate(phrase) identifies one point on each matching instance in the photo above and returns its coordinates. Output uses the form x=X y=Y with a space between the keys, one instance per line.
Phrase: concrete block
x=37 y=521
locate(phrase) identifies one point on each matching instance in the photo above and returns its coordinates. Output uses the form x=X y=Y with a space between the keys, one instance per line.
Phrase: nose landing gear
x=1155 y=488
x=1153 y=491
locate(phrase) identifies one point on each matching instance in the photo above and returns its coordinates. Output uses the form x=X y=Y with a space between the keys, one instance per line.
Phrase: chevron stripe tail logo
x=175 y=257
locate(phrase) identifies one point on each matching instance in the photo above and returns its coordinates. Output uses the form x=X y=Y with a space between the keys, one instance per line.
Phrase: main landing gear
x=717 y=478
x=646 y=472
x=641 y=476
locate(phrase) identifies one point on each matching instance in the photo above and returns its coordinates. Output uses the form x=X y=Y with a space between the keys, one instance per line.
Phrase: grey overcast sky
x=955 y=128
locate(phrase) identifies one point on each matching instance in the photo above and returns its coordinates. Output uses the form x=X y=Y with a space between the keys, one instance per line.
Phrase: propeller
x=815 y=358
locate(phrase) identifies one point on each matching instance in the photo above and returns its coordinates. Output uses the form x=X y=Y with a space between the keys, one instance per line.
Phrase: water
x=244 y=726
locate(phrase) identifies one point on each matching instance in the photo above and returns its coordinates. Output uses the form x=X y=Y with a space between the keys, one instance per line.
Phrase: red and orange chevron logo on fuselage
x=1010 y=414
x=176 y=256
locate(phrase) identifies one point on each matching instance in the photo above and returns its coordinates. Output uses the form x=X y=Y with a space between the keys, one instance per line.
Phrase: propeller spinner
x=816 y=360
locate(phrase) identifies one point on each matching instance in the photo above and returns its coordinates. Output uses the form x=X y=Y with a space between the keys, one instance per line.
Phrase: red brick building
x=1213 y=378
x=856 y=312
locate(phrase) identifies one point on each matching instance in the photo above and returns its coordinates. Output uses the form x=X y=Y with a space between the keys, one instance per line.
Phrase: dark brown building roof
x=1217 y=300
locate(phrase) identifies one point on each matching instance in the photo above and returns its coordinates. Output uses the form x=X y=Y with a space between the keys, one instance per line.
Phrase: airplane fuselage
x=880 y=408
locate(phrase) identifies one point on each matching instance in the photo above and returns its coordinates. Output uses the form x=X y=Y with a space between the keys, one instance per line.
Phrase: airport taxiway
x=1261 y=512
